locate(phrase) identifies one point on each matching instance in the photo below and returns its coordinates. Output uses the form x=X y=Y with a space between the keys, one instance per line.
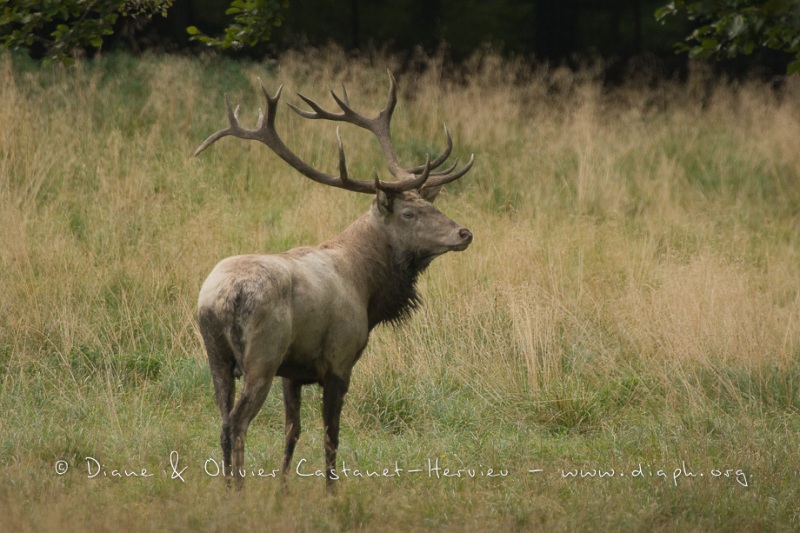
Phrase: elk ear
x=384 y=202
x=430 y=193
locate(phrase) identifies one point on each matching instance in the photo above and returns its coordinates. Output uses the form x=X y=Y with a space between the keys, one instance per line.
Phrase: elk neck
x=384 y=276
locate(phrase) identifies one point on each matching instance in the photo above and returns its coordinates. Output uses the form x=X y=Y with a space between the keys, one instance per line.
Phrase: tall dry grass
x=632 y=294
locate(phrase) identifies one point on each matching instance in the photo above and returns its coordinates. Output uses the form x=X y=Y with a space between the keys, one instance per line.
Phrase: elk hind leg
x=262 y=357
x=221 y=361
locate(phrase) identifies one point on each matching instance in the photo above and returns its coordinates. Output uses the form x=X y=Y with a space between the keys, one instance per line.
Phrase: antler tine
x=415 y=182
x=233 y=119
x=348 y=115
x=272 y=106
x=342 y=163
x=445 y=172
x=317 y=111
x=390 y=105
x=439 y=160
x=443 y=178
x=384 y=134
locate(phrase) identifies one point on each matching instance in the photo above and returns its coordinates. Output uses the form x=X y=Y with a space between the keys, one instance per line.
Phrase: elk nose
x=465 y=235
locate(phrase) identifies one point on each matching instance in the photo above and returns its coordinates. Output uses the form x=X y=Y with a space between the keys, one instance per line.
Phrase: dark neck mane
x=387 y=277
x=396 y=296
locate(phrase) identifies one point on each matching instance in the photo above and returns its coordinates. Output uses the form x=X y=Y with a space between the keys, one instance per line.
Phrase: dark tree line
x=540 y=30
x=570 y=31
x=537 y=28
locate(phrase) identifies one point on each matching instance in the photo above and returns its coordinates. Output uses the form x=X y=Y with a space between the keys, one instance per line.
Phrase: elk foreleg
x=292 y=395
x=334 y=389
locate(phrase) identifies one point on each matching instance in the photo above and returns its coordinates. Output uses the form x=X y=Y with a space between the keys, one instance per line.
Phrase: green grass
x=631 y=301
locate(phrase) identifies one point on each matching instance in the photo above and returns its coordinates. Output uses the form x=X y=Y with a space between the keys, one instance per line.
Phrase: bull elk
x=305 y=315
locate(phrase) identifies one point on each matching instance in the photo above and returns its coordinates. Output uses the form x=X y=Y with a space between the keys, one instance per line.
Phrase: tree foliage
x=253 y=21
x=728 y=28
x=63 y=27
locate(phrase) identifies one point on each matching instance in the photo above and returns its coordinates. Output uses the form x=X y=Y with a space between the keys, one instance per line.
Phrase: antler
x=409 y=178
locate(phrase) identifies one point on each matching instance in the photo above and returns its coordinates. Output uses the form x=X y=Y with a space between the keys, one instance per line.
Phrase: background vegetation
x=570 y=31
x=631 y=300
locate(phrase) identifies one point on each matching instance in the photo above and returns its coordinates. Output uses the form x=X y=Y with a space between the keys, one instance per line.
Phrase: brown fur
x=306 y=314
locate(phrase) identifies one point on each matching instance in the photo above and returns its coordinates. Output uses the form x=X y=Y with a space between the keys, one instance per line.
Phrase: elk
x=306 y=314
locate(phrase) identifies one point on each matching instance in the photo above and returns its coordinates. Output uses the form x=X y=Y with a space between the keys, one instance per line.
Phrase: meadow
x=619 y=349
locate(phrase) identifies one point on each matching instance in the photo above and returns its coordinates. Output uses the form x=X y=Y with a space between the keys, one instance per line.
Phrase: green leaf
x=737 y=25
x=60 y=30
x=709 y=44
x=664 y=11
x=698 y=52
x=192 y=30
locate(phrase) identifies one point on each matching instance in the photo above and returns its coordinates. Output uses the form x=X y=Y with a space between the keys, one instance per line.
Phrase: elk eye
x=408 y=215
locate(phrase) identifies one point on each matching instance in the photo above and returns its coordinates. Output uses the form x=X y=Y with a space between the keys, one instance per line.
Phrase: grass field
x=618 y=349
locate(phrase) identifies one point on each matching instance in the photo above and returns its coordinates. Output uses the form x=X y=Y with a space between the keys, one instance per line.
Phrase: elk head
x=416 y=228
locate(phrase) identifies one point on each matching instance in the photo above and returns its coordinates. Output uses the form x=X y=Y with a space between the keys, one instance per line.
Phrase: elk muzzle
x=464 y=238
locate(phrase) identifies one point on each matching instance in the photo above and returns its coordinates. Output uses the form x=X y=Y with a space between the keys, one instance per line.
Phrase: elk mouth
x=460 y=247
x=464 y=240
x=422 y=260
x=425 y=260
